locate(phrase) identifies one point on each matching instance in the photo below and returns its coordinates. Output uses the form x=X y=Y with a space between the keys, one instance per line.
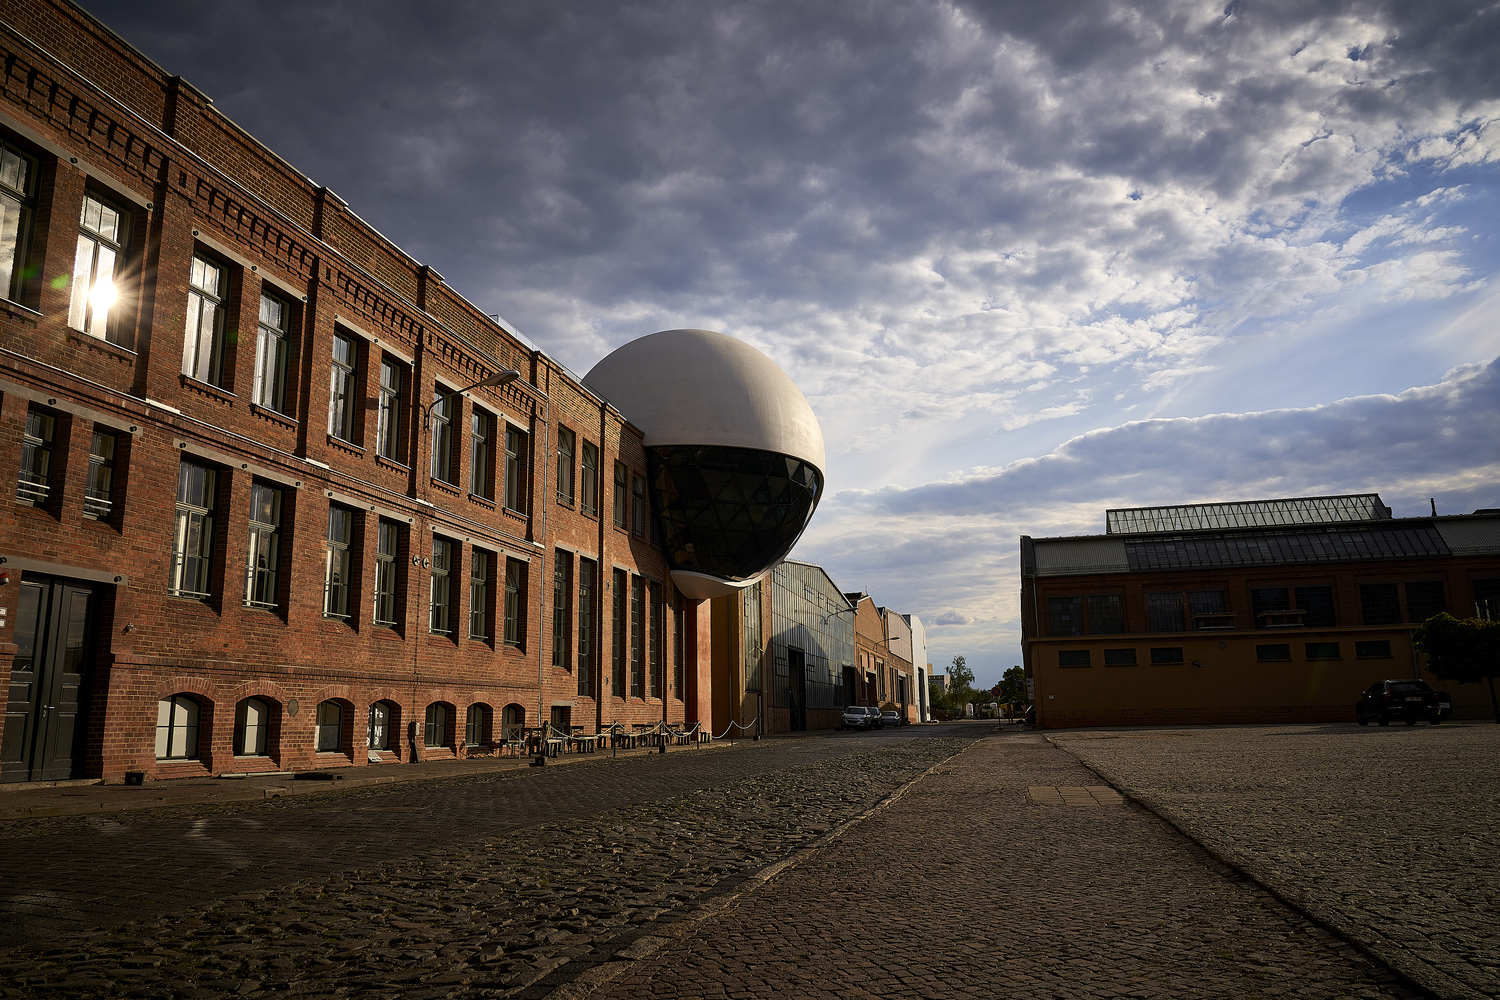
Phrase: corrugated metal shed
x=1471 y=536
x=1067 y=556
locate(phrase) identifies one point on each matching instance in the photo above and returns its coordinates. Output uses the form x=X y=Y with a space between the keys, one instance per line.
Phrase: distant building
x=922 y=668
x=1259 y=611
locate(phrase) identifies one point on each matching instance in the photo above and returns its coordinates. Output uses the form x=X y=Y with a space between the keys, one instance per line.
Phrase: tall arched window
x=477 y=732
x=177 y=728
x=512 y=721
x=330 y=727
x=439 y=728
x=252 y=721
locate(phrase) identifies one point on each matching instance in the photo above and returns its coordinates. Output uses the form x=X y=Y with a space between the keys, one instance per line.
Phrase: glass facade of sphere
x=730 y=512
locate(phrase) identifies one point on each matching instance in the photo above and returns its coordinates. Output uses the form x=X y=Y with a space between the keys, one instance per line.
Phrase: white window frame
x=191 y=563
x=203 y=333
x=388 y=434
x=385 y=571
x=100 y=246
x=336 y=561
x=261 y=555
x=271 y=353
x=341 y=388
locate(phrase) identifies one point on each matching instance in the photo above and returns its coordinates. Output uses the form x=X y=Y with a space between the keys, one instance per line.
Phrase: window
x=1272 y=607
x=177 y=728
x=34 y=484
x=637 y=637
x=588 y=483
x=343 y=390
x=98 y=490
x=1166 y=655
x=658 y=639
x=564 y=465
x=438 y=731
x=1487 y=599
x=1105 y=614
x=482 y=454
x=1379 y=603
x=251 y=720
x=17 y=202
x=1164 y=613
x=192 y=541
x=390 y=432
x=271 y=354
x=638 y=505
x=1372 y=649
x=336 y=575
x=515 y=469
x=1065 y=616
x=562 y=610
x=679 y=650
x=1119 y=657
x=203 y=336
x=515 y=603
x=101 y=238
x=1065 y=658
x=265 y=541
x=1321 y=651
x=387 y=567
x=440 y=606
x=588 y=571
x=443 y=455
x=620 y=621
x=1210 y=609
x=621 y=488
x=480 y=563
x=1273 y=652
x=328 y=736
x=1316 y=604
x=383 y=718
x=478 y=726
x=1424 y=598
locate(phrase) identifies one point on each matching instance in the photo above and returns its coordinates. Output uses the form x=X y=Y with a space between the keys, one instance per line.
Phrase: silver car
x=856 y=717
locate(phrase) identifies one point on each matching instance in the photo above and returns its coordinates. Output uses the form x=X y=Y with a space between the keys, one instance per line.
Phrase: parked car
x=1404 y=699
x=856 y=717
x=891 y=717
x=876 y=721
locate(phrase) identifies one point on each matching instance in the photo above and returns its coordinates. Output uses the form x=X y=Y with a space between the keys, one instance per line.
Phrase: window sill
x=444 y=486
x=565 y=502
x=264 y=611
x=273 y=416
x=394 y=464
x=119 y=351
x=19 y=310
x=207 y=389
x=483 y=501
x=346 y=446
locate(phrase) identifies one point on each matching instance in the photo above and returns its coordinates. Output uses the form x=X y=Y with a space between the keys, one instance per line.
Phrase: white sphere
x=704 y=388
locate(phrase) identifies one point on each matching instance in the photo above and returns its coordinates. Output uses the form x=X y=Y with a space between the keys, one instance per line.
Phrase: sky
x=1026 y=261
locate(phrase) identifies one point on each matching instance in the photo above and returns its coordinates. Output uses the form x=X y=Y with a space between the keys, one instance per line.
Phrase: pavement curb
x=1406 y=973
x=231 y=794
x=652 y=939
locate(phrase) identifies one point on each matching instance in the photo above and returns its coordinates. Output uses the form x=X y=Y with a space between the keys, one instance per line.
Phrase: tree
x=1464 y=650
x=1013 y=686
x=960 y=677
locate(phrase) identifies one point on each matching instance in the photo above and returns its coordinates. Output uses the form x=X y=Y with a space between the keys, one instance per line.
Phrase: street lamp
x=503 y=377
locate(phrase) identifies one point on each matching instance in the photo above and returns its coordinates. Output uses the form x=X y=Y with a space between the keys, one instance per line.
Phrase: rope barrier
x=736 y=725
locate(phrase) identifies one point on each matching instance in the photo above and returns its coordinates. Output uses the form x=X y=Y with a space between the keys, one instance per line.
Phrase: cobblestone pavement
x=1390 y=835
x=965 y=886
x=478 y=887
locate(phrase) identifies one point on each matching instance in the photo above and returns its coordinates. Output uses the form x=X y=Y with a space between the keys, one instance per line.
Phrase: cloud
x=949 y=550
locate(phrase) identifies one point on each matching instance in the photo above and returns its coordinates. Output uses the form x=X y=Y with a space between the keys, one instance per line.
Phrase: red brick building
x=1257 y=611
x=263 y=517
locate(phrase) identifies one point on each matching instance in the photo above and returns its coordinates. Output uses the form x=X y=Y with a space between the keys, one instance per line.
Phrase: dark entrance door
x=44 y=724
x=797 y=693
x=851 y=688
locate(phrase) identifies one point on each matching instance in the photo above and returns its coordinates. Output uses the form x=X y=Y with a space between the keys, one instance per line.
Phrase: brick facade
x=95 y=123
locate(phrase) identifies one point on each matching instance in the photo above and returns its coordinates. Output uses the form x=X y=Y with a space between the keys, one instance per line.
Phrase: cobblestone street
x=1390 y=835
x=478 y=887
x=909 y=864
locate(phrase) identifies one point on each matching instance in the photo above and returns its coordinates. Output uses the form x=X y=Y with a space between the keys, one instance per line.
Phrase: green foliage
x=1462 y=649
x=1013 y=686
x=960 y=677
x=1457 y=649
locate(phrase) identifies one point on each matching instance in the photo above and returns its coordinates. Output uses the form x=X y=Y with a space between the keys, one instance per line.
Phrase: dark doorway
x=44 y=718
x=796 y=700
x=851 y=687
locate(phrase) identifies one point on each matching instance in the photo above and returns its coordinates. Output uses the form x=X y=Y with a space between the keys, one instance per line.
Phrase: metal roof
x=1400 y=539
x=1067 y=556
x=1246 y=514
x=1471 y=535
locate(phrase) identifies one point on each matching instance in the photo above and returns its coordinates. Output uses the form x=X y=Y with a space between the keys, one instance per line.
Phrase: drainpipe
x=542 y=558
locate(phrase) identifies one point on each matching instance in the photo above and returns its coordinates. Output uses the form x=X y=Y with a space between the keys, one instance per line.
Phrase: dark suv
x=1407 y=700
